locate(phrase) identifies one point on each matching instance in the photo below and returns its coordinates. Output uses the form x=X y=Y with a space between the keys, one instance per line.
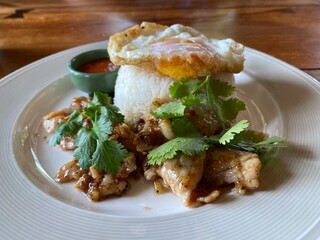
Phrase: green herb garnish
x=236 y=129
x=179 y=126
x=188 y=146
x=225 y=108
x=93 y=147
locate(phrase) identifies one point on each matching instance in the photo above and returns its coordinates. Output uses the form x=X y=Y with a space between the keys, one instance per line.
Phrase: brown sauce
x=98 y=66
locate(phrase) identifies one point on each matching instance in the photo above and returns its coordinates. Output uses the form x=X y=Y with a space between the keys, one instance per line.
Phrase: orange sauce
x=98 y=66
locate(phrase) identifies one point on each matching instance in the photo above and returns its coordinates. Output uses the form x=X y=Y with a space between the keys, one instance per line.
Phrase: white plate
x=281 y=100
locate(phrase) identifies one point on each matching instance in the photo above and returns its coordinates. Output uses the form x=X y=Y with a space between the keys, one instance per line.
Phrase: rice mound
x=137 y=88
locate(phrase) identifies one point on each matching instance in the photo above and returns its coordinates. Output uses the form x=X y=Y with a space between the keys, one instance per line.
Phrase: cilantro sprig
x=188 y=146
x=93 y=146
x=230 y=133
x=215 y=93
x=249 y=141
x=224 y=107
x=225 y=110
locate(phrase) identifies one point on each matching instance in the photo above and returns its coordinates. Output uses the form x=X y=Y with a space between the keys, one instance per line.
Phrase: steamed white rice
x=136 y=89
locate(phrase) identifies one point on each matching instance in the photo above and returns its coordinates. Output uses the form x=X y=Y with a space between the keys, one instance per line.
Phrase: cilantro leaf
x=225 y=110
x=75 y=117
x=162 y=153
x=193 y=100
x=271 y=142
x=170 y=110
x=86 y=142
x=108 y=155
x=66 y=129
x=230 y=108
x=102 y=126
x=219 y=88
x=101 y=99
x=236 y=129
x=90 y=111
x=260 y=147
x=213 y=100
x=183 y=127
x=188 y=146
x=100 y=104
x=248 y=136
x=57 y=136
x=183 y=88
x=176 y=108
x=113 y=113
x=249 y=141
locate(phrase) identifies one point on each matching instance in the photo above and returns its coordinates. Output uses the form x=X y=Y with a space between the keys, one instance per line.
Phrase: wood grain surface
x=33 y=29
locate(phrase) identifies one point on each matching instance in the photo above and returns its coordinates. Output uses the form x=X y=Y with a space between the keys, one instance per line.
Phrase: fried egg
x=176 y=51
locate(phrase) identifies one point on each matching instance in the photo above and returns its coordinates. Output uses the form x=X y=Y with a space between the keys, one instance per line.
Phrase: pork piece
x=203 y=119
x=50 y=124
x=78 y=103
x=225 y=166
x=67 y=143
x=100 y=185
x=149 y=136
x=69 y=172
x=123 y=134
x=51 y=121
x=195 y=179
x=182 y=175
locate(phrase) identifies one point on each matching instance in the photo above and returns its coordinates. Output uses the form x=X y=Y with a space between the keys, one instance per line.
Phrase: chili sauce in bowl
x=93 y=71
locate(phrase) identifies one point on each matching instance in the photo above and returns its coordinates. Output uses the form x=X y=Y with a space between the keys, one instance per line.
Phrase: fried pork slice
x=195 y=179
x=98 y=185
x=182 y=175
x=52 y=120
x=78 y=103
x=151 y=134
x=69 y=172
x=225 y=166
x=123 y=134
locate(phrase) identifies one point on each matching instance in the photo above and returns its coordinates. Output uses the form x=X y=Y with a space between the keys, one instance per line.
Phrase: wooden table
x=33 y=29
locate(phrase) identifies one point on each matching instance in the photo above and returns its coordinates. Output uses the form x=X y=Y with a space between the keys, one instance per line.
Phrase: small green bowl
x=91 y=82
